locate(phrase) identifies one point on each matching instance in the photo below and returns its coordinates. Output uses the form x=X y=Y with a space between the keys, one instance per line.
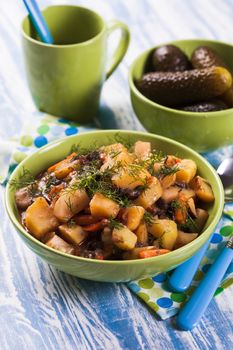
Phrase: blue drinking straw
x=38 y=21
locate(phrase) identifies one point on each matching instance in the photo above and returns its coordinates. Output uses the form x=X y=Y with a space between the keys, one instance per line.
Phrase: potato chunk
x=202 y=189
x=39 y=218
x=59 y=244
x=184 y=238
x=111 y=159
x=170 y=194
x=168 y=180
x=142 y=149
x=159 y=227
x=123 y=238
x=70 y=203
x=103 y=207
x=142 y=234
x=133 y=216
x=151 y=194
x=202 y=216
x=187 y=170
x=168 y=240
x=73 y=234
x=113 y=148
x=166 y=231
x=130 y=177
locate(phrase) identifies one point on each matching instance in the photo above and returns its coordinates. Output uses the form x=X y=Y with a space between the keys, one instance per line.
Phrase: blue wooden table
x=41 y=308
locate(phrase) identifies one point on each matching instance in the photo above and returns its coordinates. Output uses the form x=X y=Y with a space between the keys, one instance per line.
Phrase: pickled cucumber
x=205 y=57
x=208 y=106
x=169 y=58
x=182 y=88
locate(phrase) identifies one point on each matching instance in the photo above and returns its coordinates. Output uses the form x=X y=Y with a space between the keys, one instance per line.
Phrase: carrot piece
x=83 y=220
x=94 y=227
x=180 y=215
x=180 y=212
x=153 y=252
x=66 y=160
x=55 y=190
x=99 y=256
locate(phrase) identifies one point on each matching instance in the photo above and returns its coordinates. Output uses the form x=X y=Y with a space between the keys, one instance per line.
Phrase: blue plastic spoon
x=38 y=21
x=182 y=277
x=193 y=310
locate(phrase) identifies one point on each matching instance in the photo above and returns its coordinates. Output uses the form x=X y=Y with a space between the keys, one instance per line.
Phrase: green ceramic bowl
x=200 y=131
x=113 y=271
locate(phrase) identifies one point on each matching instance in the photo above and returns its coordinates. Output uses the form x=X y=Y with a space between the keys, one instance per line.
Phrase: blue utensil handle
x=38 y=21
x=182 y=277
x=193 y=310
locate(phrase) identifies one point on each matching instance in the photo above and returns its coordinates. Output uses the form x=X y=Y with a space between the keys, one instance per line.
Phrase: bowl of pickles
x=184 y=90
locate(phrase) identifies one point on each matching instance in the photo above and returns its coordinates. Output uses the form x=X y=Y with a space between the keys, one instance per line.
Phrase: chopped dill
x=52 y=181
x=190 y=225
x=71 y=223
x=69 y=204
x=77 y=148
x=114 y=153
x=154 y=157
x=125 y=140
x=168 y=170
x=113 y=223
x=93 y=180
x=25 y=179
x=148 y=218
x=175 y=204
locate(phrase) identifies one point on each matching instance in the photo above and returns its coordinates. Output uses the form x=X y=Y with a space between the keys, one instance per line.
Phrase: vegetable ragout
x=115 y=202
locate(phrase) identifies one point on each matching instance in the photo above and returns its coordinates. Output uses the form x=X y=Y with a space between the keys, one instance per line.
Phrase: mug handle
x=122 y=47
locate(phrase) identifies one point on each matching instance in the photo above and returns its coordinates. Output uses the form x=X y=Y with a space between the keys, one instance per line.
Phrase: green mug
x=66 y=78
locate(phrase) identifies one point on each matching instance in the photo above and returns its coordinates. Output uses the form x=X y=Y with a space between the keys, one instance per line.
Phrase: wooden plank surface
x=41 y=308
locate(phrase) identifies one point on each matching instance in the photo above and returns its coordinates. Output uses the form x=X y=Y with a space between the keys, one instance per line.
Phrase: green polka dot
x=147 y=283
x=227 y=283
x=153 y=306
x=26 y=140
x=190 y=290
x=178 y=297
x=218 y=291
x=43 y=129
x=19 y=156
x=143 y=296
x=226 y=231
x=156 y=293
x=199 y=275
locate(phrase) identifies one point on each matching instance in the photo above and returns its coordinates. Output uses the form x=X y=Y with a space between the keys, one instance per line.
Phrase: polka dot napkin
x=44 y=129
x=153 y=291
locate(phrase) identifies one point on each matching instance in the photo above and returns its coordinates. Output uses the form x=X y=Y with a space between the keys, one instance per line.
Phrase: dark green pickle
x=205 y=57
x=169 y=58
x=208 y=106
x=183 y=88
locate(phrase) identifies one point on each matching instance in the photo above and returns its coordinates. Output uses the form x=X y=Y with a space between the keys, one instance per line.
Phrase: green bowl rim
x=22 y=231
x=168 y=109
